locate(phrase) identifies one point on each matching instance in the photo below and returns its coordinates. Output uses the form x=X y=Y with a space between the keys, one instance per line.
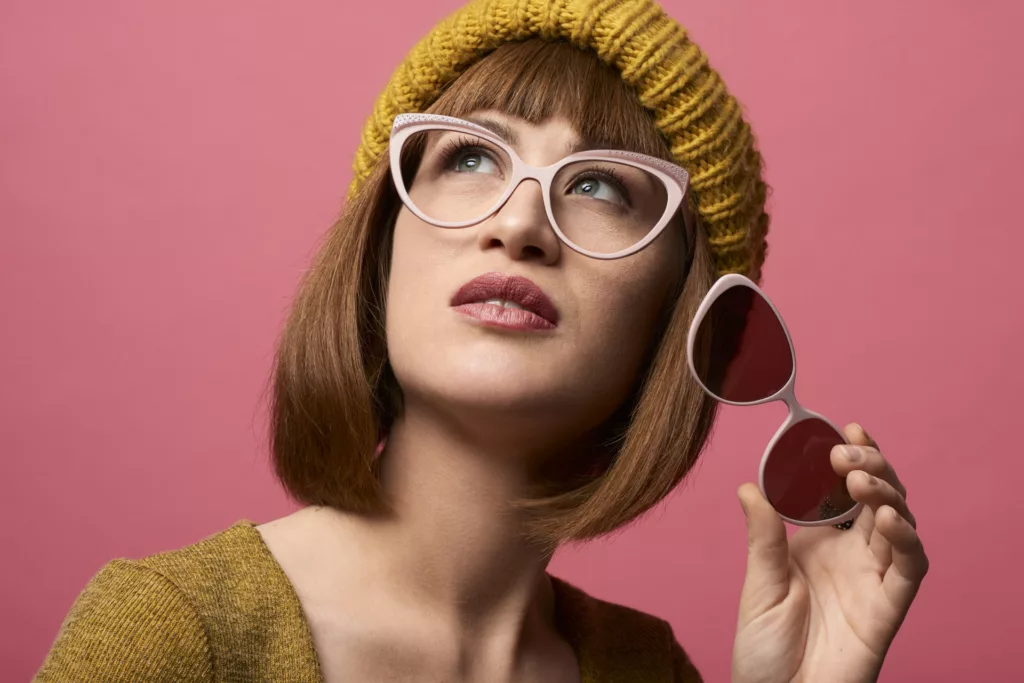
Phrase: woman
x=457 y=392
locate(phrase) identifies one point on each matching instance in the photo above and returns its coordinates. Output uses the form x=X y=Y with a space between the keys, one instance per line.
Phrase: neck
x=454 y=541
x=453 y=546
x=450 y=564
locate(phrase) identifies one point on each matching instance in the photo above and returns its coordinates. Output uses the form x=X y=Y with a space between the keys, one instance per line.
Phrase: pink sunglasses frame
x=675 y=178
x=797 y=413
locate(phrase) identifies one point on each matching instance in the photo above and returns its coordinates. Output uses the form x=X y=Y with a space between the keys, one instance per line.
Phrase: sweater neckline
x=569 y=607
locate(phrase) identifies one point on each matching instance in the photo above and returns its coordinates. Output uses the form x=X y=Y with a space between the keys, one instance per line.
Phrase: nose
x=521 y=227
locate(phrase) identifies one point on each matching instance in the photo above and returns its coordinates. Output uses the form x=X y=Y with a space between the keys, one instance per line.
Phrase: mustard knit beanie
x=670 y=74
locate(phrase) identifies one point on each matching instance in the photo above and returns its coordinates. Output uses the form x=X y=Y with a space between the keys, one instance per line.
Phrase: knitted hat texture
x=691 y=106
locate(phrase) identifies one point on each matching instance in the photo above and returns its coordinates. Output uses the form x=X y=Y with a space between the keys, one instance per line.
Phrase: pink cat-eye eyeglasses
x=605 y=204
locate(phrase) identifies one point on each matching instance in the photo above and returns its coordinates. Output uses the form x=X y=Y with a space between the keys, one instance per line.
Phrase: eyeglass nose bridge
x=523 y=171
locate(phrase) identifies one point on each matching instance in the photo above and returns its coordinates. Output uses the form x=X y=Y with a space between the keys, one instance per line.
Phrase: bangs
x=535 y=80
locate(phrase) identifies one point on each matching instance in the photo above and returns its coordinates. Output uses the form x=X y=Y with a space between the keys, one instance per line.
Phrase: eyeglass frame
x=675 y=179
x=797 y=413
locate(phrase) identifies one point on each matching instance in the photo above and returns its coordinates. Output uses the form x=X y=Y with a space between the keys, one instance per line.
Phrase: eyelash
x=605 y=173
x=453 y=148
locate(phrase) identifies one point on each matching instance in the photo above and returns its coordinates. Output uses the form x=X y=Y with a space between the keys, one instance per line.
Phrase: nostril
x=517 y=249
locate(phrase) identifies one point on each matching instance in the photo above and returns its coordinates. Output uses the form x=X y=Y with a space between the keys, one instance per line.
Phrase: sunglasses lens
x=798 y=477
x=748 y=362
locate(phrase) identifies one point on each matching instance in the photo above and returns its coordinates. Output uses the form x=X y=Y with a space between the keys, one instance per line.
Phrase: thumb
x=767 y=580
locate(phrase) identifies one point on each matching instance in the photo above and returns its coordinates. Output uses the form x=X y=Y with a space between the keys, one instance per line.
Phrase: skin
x=444 y=588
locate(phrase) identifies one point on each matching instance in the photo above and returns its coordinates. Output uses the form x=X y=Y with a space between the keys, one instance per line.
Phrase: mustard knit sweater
x=223 y=610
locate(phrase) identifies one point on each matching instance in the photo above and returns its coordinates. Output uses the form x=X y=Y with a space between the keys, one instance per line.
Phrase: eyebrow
x=509 y=135
x=502 y=130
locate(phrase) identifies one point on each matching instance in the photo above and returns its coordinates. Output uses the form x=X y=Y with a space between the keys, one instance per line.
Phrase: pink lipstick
x=508 y=301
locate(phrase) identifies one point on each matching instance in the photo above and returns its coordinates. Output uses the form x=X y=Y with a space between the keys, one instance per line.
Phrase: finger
x=847 y=458
x=767 y=580
x=909 y=561
x=861 y=456
x=875 y=492
x=858 y=435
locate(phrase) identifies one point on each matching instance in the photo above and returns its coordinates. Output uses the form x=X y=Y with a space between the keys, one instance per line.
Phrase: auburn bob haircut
x=333 y=394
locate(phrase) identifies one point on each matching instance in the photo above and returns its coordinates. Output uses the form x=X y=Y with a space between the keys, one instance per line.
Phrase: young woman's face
x=563 y=367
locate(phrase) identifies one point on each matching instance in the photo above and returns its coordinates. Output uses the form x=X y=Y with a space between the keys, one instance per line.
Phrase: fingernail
x=852 y=453
x=873 y=481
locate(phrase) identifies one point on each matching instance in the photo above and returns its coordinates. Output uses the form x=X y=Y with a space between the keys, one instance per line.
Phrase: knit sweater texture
x=223 y=610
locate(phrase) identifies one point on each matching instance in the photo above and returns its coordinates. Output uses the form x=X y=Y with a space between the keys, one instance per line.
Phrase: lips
x=530 y=306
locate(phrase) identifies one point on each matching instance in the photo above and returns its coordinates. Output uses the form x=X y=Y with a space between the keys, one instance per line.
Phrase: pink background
x=167 y=169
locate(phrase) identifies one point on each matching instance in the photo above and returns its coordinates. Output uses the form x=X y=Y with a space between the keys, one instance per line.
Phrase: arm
x=129 y=624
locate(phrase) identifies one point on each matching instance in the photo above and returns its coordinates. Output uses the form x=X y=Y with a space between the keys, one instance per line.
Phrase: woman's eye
x=598 y=189
x=475 y=162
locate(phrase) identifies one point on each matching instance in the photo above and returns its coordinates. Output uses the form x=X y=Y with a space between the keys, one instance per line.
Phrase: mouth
x=509 y=301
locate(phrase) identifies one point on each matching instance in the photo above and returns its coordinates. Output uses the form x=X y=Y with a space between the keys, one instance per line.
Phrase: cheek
x=418 y=253
x=420 y=271
x=618 y=321
x=418 y=283
x=622 y=302
x=411 y=274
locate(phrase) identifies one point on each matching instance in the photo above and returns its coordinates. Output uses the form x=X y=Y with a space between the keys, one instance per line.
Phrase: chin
x=487 y=385
x=522 y=381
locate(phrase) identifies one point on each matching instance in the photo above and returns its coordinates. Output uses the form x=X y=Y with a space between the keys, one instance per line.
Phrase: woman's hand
x=824 y=605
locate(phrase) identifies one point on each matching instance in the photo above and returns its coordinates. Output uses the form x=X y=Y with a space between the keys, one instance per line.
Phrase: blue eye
x=598 y=189
x=475 y=162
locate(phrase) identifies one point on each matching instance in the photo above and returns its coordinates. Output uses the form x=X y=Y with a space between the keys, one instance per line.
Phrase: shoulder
x=177 y=615
x=233 y=560
x=234 y=582
x=617 y=642
x=130 y=623
x=251 y=615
